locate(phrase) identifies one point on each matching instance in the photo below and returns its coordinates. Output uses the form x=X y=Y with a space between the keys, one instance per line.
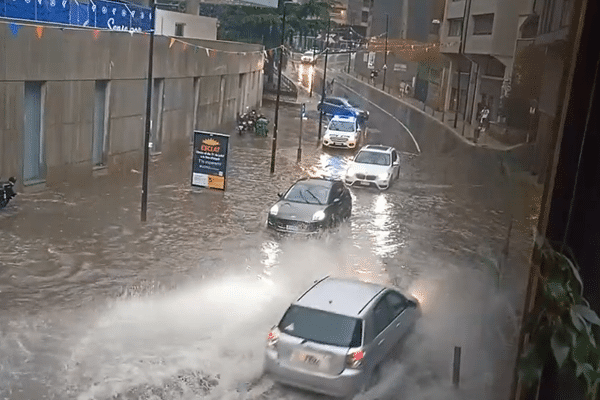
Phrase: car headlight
x=350 y=172
x=318 y=216
x=384 y=176
x=274 y=209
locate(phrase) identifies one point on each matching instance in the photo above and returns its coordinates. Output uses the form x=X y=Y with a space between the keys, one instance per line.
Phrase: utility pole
x=385 y=51
x=324 y=80
x=276 y=122
x=312 y=69
x=148 y=120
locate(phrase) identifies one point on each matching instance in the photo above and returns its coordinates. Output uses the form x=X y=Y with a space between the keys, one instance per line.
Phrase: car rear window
x=322 y=326
x=342 y=126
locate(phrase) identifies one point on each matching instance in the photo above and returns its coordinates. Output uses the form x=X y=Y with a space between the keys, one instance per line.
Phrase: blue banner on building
x=96 y=14
x=209 y=161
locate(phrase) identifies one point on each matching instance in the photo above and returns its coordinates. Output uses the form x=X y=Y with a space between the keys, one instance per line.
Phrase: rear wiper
x=316 y=198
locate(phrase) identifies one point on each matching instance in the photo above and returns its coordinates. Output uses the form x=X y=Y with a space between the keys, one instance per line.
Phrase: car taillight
x=273 y=337
x=354 y=359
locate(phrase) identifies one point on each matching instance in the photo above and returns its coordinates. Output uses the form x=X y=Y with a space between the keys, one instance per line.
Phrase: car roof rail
x=315 y=283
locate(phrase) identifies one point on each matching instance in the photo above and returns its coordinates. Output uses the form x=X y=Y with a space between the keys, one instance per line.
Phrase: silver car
x=334 y=337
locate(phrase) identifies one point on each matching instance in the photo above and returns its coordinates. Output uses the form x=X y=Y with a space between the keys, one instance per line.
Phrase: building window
x=366 y=3
x=179 y=29
x=565 y=17
x=34 y=153
x=365 y=16
x=455 y=26
x=483 y=24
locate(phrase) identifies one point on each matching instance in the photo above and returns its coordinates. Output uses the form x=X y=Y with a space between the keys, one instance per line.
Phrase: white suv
x=374 y=165
x=343 y=131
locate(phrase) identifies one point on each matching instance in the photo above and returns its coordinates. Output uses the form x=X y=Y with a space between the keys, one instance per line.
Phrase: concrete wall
x=70 y=62
x=195 y=26
x=501 y=43
x=392 y=78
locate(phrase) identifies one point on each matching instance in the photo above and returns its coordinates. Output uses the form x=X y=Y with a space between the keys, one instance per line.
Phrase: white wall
x=196 y=26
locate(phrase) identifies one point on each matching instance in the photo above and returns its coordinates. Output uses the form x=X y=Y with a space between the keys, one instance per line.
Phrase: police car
x=344 y=131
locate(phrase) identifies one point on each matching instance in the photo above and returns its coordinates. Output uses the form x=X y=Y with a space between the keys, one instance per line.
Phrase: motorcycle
x=247 y=121
x=6 y=191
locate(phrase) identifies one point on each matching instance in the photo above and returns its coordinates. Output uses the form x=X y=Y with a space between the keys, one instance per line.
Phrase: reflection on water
x=384 y=244
x=306 y=74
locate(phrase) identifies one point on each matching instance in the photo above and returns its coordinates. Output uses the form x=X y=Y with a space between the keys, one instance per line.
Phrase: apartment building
x=479 y=37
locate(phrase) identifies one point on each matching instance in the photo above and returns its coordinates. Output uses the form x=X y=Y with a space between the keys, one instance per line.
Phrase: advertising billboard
x=209 y=161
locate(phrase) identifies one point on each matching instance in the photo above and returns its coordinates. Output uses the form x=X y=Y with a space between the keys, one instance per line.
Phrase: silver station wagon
x=334 y=337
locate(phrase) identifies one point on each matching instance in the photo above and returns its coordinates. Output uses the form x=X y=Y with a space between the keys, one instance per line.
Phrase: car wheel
x=348 y=215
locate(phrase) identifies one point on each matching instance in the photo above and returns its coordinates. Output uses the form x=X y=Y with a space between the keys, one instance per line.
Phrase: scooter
x=6 y=191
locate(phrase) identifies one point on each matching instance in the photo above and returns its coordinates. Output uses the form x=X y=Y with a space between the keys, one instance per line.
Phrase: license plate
x=313 y=360
x=292 y=228
x=365 y=183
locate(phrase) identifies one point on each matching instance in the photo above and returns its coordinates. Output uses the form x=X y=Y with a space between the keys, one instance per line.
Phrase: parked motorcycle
x=247 y=121
x=6 y=191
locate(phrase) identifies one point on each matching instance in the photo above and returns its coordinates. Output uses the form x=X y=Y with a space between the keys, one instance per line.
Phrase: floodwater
x=96 y=305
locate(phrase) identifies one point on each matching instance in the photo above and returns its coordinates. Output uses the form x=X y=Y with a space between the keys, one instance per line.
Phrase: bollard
x=456 y=366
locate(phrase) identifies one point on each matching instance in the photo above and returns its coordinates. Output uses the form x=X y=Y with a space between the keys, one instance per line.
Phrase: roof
x=377 y=147
x=340 y=296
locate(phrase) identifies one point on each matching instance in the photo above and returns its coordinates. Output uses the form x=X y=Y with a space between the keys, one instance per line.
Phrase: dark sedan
x=311 y=205
x=342 y=106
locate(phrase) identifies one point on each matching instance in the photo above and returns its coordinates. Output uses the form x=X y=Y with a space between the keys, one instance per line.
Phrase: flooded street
x=96 y=305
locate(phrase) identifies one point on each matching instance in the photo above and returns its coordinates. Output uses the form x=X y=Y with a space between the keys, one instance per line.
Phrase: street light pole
x=148 y=116
x=276 y=122
x=324 y=80
x=385 y=51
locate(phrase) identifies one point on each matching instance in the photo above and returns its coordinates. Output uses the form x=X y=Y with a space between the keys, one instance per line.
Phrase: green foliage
x=562 y=328
x=263 y=25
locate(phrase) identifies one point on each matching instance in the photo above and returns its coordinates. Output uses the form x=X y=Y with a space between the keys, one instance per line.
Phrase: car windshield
x=342 y=126
x=371 y=157
x=303 y=192
x=322 y=326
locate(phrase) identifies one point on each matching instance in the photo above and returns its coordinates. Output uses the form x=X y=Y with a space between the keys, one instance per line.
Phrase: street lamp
x=385 y=51
x=324 y=80
x=148 y=115
x=276 y=122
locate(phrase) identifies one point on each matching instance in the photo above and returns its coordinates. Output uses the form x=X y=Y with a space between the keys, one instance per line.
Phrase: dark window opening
x=179 y=29
x=455 y=27
x=483 y=24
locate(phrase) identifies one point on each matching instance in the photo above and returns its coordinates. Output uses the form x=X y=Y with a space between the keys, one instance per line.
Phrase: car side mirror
x=412 y=303
x=279 y=194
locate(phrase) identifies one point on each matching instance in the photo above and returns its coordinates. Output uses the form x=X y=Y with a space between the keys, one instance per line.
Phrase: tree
x=263 y=25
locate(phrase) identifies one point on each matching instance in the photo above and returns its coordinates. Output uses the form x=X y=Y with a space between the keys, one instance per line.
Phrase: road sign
x=303 y=111
x=209 y=161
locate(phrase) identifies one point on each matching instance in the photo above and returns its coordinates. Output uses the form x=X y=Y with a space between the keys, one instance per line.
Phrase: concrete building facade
x=479 y=37
x=73 y=101
x=171 y=23
x=408 y=19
